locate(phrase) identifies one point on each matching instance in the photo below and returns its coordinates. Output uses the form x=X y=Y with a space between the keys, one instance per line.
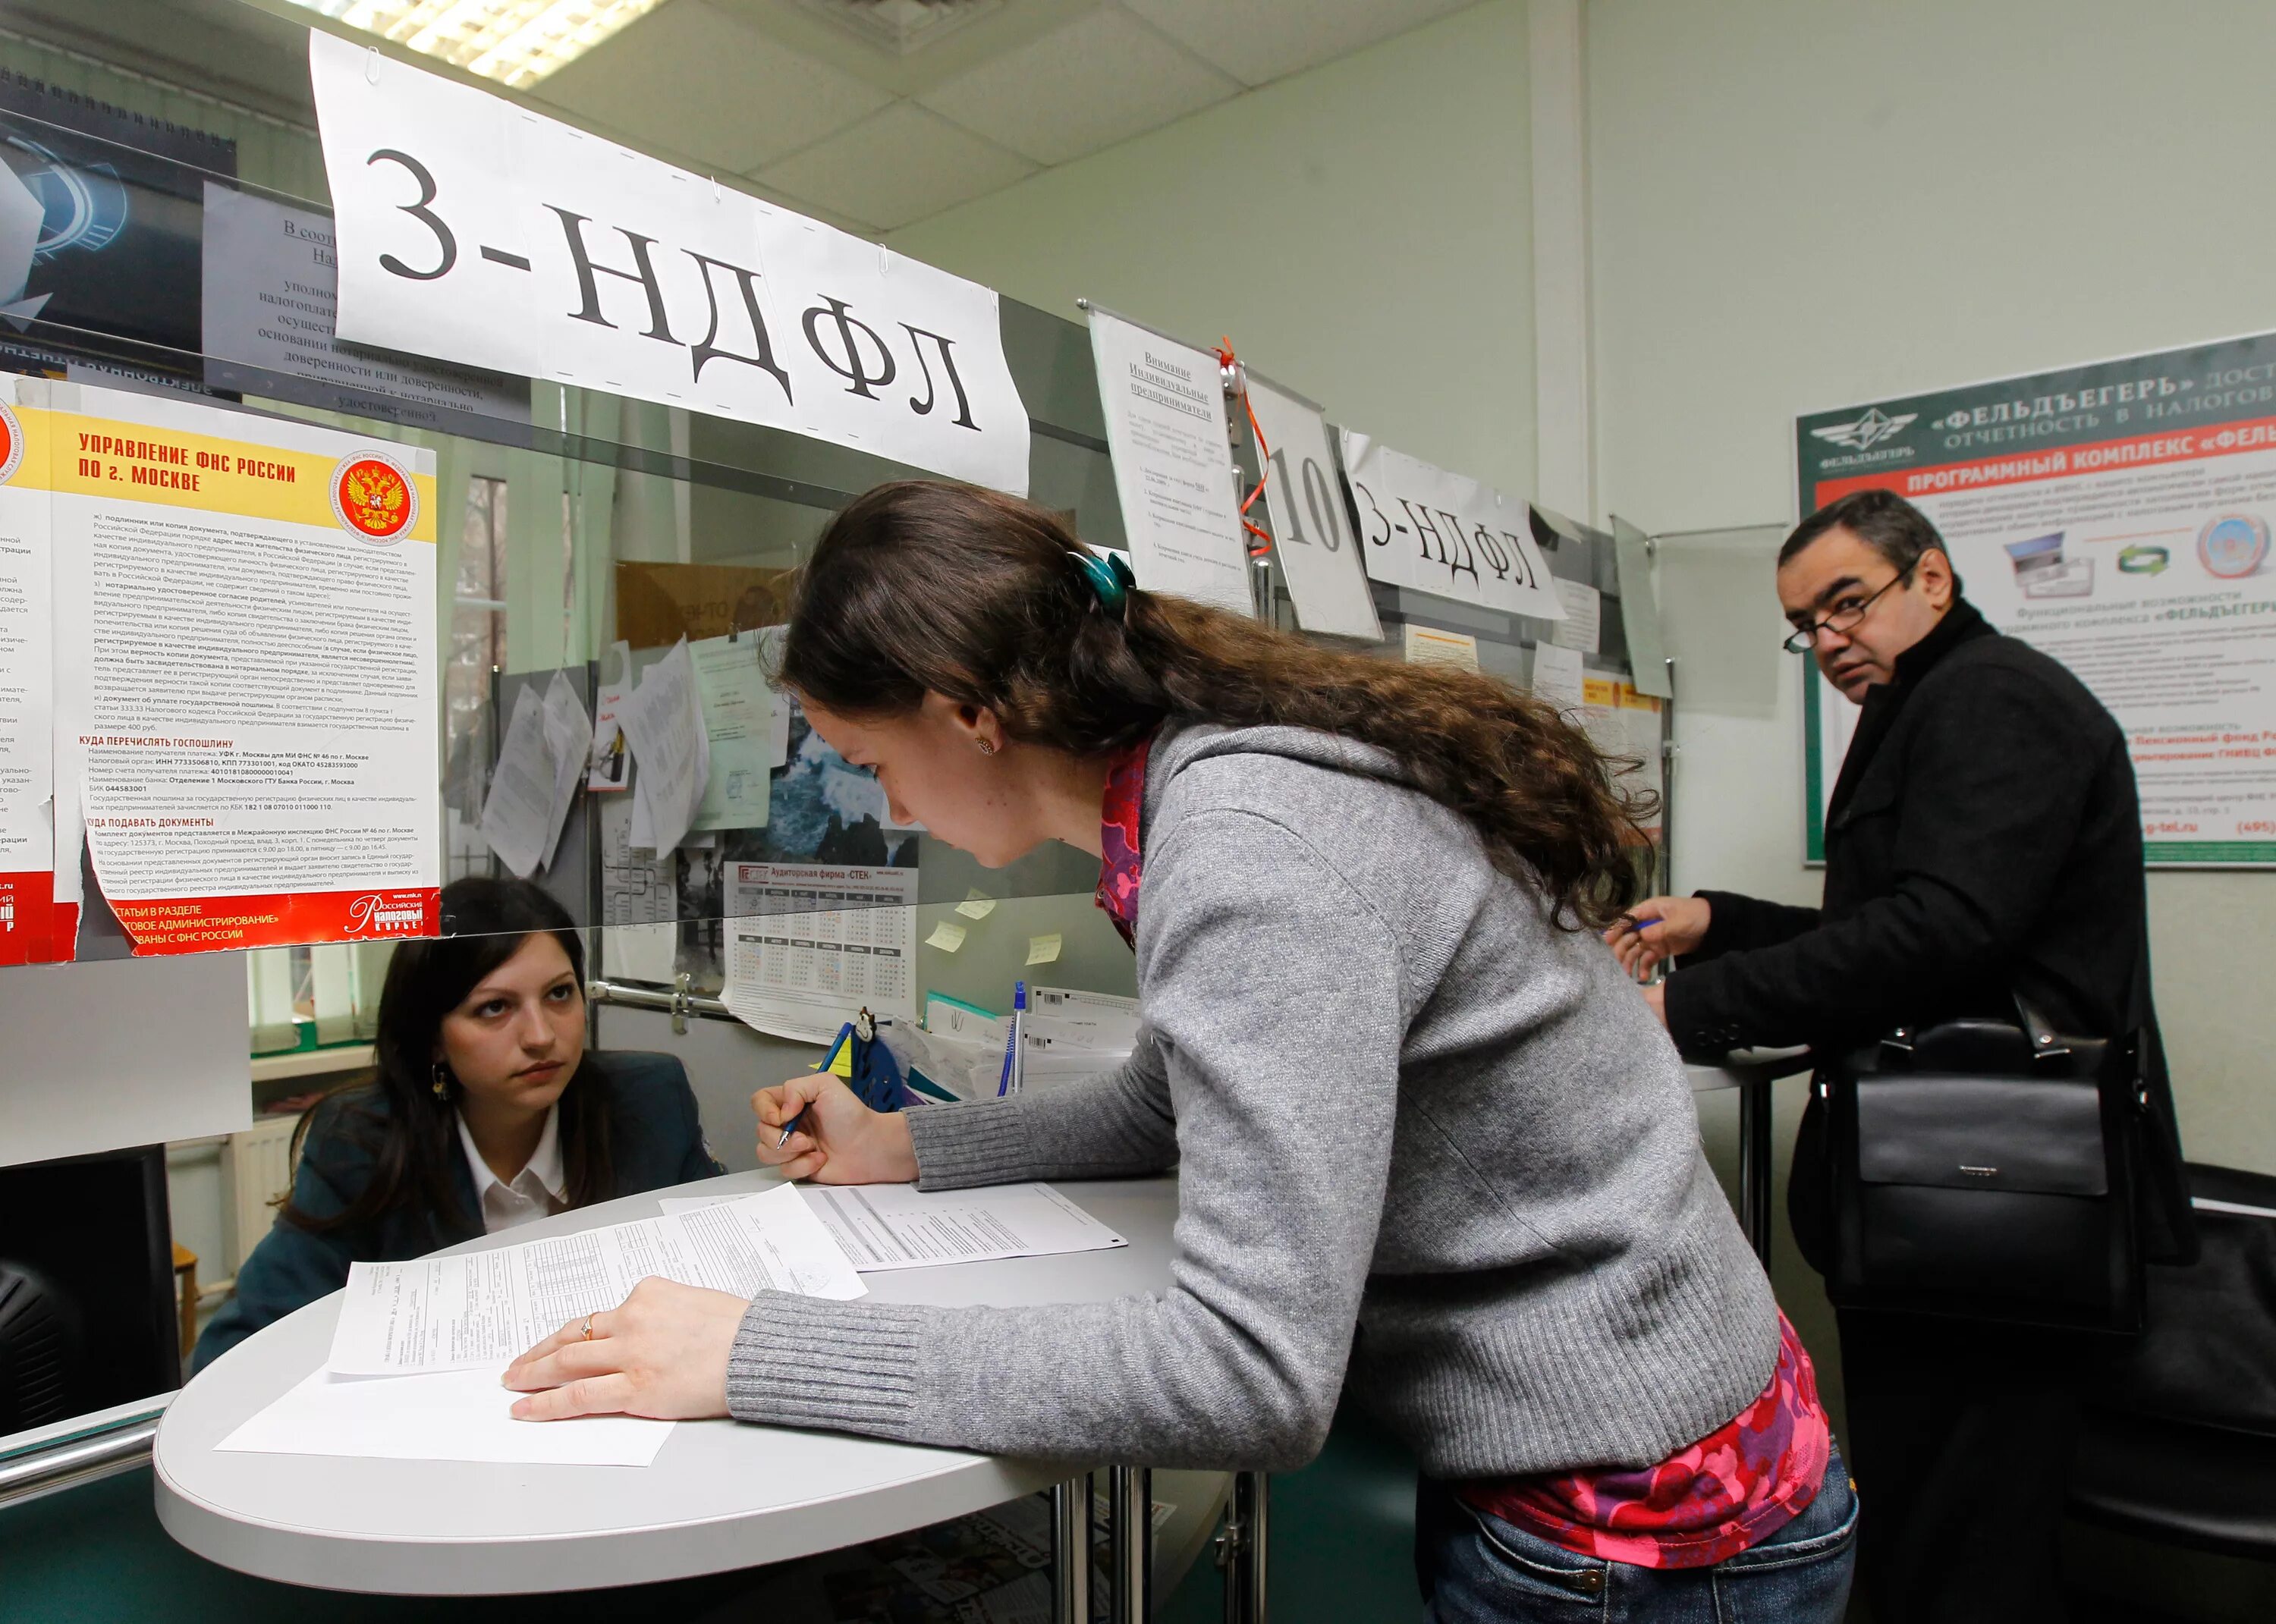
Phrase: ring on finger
x=588 y=1328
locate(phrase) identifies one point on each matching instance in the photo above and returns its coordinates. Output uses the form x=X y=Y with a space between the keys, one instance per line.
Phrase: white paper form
x=1585 y=615
x=664 y=724
x=520 y=801
x=1304 y=505
x=447 y=1416
x=739 y=711
x=1557 y=675
x=480 y=1310
x=569 y=735
x=1164 y=410
x=883 y=1226
x=26 y=691
x=810 y=944
x=637 y=900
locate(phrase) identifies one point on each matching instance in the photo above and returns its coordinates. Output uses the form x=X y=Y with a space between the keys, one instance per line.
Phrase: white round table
x=720 y=1496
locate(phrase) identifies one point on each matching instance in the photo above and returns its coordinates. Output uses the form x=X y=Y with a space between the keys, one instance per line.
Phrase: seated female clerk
x=486 y=1111
x=1433 y=1147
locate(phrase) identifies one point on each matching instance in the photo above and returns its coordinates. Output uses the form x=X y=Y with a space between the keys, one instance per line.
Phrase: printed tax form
x=480 y=1310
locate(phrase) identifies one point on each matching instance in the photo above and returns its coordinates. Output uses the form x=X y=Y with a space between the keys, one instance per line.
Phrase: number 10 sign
x=1310 y=535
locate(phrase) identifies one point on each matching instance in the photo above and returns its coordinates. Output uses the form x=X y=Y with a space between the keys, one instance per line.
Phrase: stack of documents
x=437 y=1332
x=416 y=1356
x=1066 y=1034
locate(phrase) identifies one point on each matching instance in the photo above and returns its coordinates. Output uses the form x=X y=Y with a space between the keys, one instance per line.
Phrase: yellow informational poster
x=245 y=748
x=26 y=691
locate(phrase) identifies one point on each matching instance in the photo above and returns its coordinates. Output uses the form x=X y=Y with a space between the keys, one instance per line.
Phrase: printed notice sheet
x=245 y=675
x=447 y=1416
x=884 y=1227
x=1173 y=464
x=26 y=687
x=811 y=945
x=479 y=1309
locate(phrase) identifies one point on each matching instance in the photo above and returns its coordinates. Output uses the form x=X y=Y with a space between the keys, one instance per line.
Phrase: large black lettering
x=707 y=350
x=917 y=336
x=1496 y=559
x=861 y=380
x=447 y=245
x=589 y=289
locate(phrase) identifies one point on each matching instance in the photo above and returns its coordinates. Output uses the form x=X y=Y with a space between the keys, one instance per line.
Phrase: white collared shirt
x=536 y=1191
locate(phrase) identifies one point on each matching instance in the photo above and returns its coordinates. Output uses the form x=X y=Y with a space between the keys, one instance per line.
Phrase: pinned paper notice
x=976 y=907
x=948 y=936
x=1584 y=616
x=1427 y=645
x=1557 y=675
x=1043 y=949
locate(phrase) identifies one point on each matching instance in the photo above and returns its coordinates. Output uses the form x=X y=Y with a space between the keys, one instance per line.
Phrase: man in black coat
x=1984 y=840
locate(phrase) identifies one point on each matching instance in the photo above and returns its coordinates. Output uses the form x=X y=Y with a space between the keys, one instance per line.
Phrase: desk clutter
x=415 y=1358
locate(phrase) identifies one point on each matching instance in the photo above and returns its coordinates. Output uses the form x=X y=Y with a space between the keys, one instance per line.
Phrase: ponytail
x=920 y=587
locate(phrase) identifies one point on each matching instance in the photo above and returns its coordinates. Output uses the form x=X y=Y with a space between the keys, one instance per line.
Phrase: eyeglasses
x=1844 y=617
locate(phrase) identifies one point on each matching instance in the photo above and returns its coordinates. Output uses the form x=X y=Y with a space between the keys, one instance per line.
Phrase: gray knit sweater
x=1421 y=1134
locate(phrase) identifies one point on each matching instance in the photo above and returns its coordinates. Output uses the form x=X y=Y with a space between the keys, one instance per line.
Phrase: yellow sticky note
x=841 y=1064
x=948 y=936
x=1043 y=949
x=976 y=907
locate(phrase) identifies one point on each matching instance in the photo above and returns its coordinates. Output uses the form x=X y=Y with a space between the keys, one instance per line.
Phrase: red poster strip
x=206 y=924
x=2063 y=462
x=27 y=913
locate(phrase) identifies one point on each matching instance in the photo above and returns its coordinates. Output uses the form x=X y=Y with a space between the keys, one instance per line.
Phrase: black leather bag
x=1985 y=1170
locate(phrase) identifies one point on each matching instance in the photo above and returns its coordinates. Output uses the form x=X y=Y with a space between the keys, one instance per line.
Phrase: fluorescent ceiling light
x=513 y=42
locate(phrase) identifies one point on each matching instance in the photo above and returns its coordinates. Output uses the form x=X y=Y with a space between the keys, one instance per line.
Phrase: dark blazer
x=1984 y=836
x=656 y=1140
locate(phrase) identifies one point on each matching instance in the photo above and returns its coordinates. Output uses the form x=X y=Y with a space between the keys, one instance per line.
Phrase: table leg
x=1754 y=1103
x=1242 y=1548
x=1071 y=1550
x=1130 y=1516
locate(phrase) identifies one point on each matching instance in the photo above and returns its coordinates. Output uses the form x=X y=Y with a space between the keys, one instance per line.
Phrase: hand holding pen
x=813 y=1128
x=1657 y=929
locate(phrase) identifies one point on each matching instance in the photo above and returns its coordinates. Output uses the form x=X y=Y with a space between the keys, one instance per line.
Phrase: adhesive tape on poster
x=2232 y=545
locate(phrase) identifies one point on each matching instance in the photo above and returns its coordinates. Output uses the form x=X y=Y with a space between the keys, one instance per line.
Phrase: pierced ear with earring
x=987 y=746
x=440 y=1078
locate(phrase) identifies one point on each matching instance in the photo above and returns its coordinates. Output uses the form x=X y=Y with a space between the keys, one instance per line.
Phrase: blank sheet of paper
x=898 y=1226
x=456 y=1415
x=479 y=1309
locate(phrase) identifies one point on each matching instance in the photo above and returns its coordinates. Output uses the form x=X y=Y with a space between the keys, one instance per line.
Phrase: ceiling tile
x=701 y=84
x=897 y=166
x=1258 y=41
x=1099 y=79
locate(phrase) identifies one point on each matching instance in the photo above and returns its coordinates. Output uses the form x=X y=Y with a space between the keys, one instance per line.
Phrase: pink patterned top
x=1730 y=1490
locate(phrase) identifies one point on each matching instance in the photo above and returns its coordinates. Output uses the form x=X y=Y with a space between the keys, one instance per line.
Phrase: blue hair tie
x=1109 y=577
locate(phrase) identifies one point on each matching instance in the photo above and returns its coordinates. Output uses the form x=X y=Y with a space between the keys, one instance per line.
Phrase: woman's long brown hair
x=920 y=587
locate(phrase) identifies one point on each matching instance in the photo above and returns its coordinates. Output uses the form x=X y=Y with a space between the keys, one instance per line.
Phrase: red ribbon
x=1225 y=358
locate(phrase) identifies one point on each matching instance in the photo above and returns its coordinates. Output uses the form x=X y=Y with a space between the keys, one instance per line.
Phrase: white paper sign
x=1557 y=676
x=1583 y=625
x=1437 y=532
x=1173 y=464
x=1311 y=534
x=473 y=230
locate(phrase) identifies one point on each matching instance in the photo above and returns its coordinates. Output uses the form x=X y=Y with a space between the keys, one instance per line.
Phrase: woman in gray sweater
x=1428 y=1135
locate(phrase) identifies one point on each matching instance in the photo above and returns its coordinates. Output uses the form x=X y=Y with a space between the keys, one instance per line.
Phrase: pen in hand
x=789 y=1127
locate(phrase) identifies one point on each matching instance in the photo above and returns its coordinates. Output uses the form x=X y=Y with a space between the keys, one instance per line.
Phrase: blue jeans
x=1478 y=1569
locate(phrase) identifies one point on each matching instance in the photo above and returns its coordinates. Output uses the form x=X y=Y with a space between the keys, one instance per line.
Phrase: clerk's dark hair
x=920 y=587
x=395 y=1115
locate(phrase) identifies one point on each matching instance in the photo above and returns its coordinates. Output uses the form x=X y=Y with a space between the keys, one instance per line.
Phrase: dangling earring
x=987 y=746
x=442 y=1080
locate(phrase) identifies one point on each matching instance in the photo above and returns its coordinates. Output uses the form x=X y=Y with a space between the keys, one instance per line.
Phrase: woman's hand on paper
x=841 y=1140
x=1658 y=927
x=662 y=1355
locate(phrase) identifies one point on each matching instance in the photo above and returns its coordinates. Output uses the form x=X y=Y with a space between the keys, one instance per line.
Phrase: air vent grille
x=901 y=27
